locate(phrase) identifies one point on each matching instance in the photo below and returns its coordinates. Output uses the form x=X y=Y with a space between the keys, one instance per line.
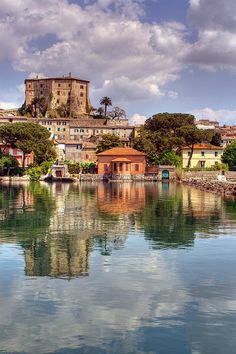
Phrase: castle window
x=59 y=85
x=29 y=85
x=81 y=87
x=58 y=101
x=69 y=85
x=81 y=94
x=58 y=93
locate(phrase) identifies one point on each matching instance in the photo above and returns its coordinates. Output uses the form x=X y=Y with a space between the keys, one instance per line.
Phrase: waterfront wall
x=207 y=181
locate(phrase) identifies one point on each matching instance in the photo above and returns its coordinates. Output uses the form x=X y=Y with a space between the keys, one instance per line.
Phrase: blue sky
x=149 y=56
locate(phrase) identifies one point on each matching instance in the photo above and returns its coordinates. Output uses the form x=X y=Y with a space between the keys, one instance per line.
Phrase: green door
x=165 y=174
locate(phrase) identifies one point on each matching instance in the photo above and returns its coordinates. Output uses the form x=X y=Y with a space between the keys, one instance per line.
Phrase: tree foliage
x=165 y=132
x=106 y=101
x=28 y=137
x=108 y=142
x=117 y=113
x=229 y=156
x=216 y=139
x=168 y=158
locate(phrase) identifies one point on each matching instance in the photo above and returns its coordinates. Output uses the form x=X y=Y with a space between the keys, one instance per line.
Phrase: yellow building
x=68 y=90
x=204 y=156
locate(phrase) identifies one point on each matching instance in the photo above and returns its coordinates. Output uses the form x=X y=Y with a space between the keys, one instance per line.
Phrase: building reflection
x=121 y=198
x=59 y=225
x=52 y=258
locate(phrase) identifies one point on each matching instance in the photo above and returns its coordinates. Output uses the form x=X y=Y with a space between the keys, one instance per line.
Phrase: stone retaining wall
x=213 y=186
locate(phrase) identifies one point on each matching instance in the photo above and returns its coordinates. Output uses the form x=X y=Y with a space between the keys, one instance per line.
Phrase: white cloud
x=137 y=119
x=215 y=21
x=223 y=116
x=8 y=105
x=105 y=41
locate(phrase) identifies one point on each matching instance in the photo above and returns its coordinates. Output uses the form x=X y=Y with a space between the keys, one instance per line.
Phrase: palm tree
x=106 y=101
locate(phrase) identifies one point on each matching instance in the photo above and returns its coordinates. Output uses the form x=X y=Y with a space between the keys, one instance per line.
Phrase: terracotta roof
x=121 y=152
x=204 y=147
x=121 y=159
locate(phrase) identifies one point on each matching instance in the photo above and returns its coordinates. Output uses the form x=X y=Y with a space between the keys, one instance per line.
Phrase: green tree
x=159 y=134
x=169 y=158
x=108 y=142
x=229 y=156
x=8 y=162
x=99 y=113
x=216 y=139
x=29 y=137
x=106 y=101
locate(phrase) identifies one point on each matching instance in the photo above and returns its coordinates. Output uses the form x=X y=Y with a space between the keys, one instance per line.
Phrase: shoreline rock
x=227 y=189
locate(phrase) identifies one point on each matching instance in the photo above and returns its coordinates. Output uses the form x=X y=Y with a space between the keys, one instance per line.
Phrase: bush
x=35 y=173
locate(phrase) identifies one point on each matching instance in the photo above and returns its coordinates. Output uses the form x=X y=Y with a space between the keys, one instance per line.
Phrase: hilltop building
x=68 y=90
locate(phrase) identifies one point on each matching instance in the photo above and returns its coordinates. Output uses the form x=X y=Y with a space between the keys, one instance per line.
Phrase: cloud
x=105 y=41
x=223 y=116
x=137 y=119
x=215 y=21
x=8 y=105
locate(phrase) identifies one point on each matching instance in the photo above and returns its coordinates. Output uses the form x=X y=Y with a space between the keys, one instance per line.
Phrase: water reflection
x=116 y=268
x=59 y=225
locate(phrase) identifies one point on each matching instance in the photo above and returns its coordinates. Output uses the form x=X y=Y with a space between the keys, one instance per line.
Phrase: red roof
x=204 y=147
x=121 y=152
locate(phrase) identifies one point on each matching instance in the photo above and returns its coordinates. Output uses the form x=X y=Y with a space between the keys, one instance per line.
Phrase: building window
x=81 y=130
x=81 y=94
x=41 y=92
x=64 y=129
x=49 y=129
x=216 y=153
x=81 y=103
x=127 y=167
x=58 y=101
x=136 y=167
x=58 y=93
x=59 y=85
x=203 y=153
x=81 y=87
x=69 y=85
x=58 y=129
x=121 y=166
x=115 y=167
x=29 y=85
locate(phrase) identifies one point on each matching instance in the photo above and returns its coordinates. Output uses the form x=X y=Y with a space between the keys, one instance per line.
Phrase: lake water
x=116 y=268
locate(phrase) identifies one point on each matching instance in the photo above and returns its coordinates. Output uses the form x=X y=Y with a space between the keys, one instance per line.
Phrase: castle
x=67 y=90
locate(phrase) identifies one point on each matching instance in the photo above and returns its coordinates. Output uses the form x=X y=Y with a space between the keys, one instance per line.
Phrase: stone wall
x=213 y=186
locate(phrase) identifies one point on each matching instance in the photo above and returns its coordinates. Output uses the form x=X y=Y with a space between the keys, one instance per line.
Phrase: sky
x=149 y=56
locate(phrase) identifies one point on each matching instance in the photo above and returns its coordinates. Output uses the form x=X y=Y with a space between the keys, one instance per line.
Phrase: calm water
x=116 y=268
